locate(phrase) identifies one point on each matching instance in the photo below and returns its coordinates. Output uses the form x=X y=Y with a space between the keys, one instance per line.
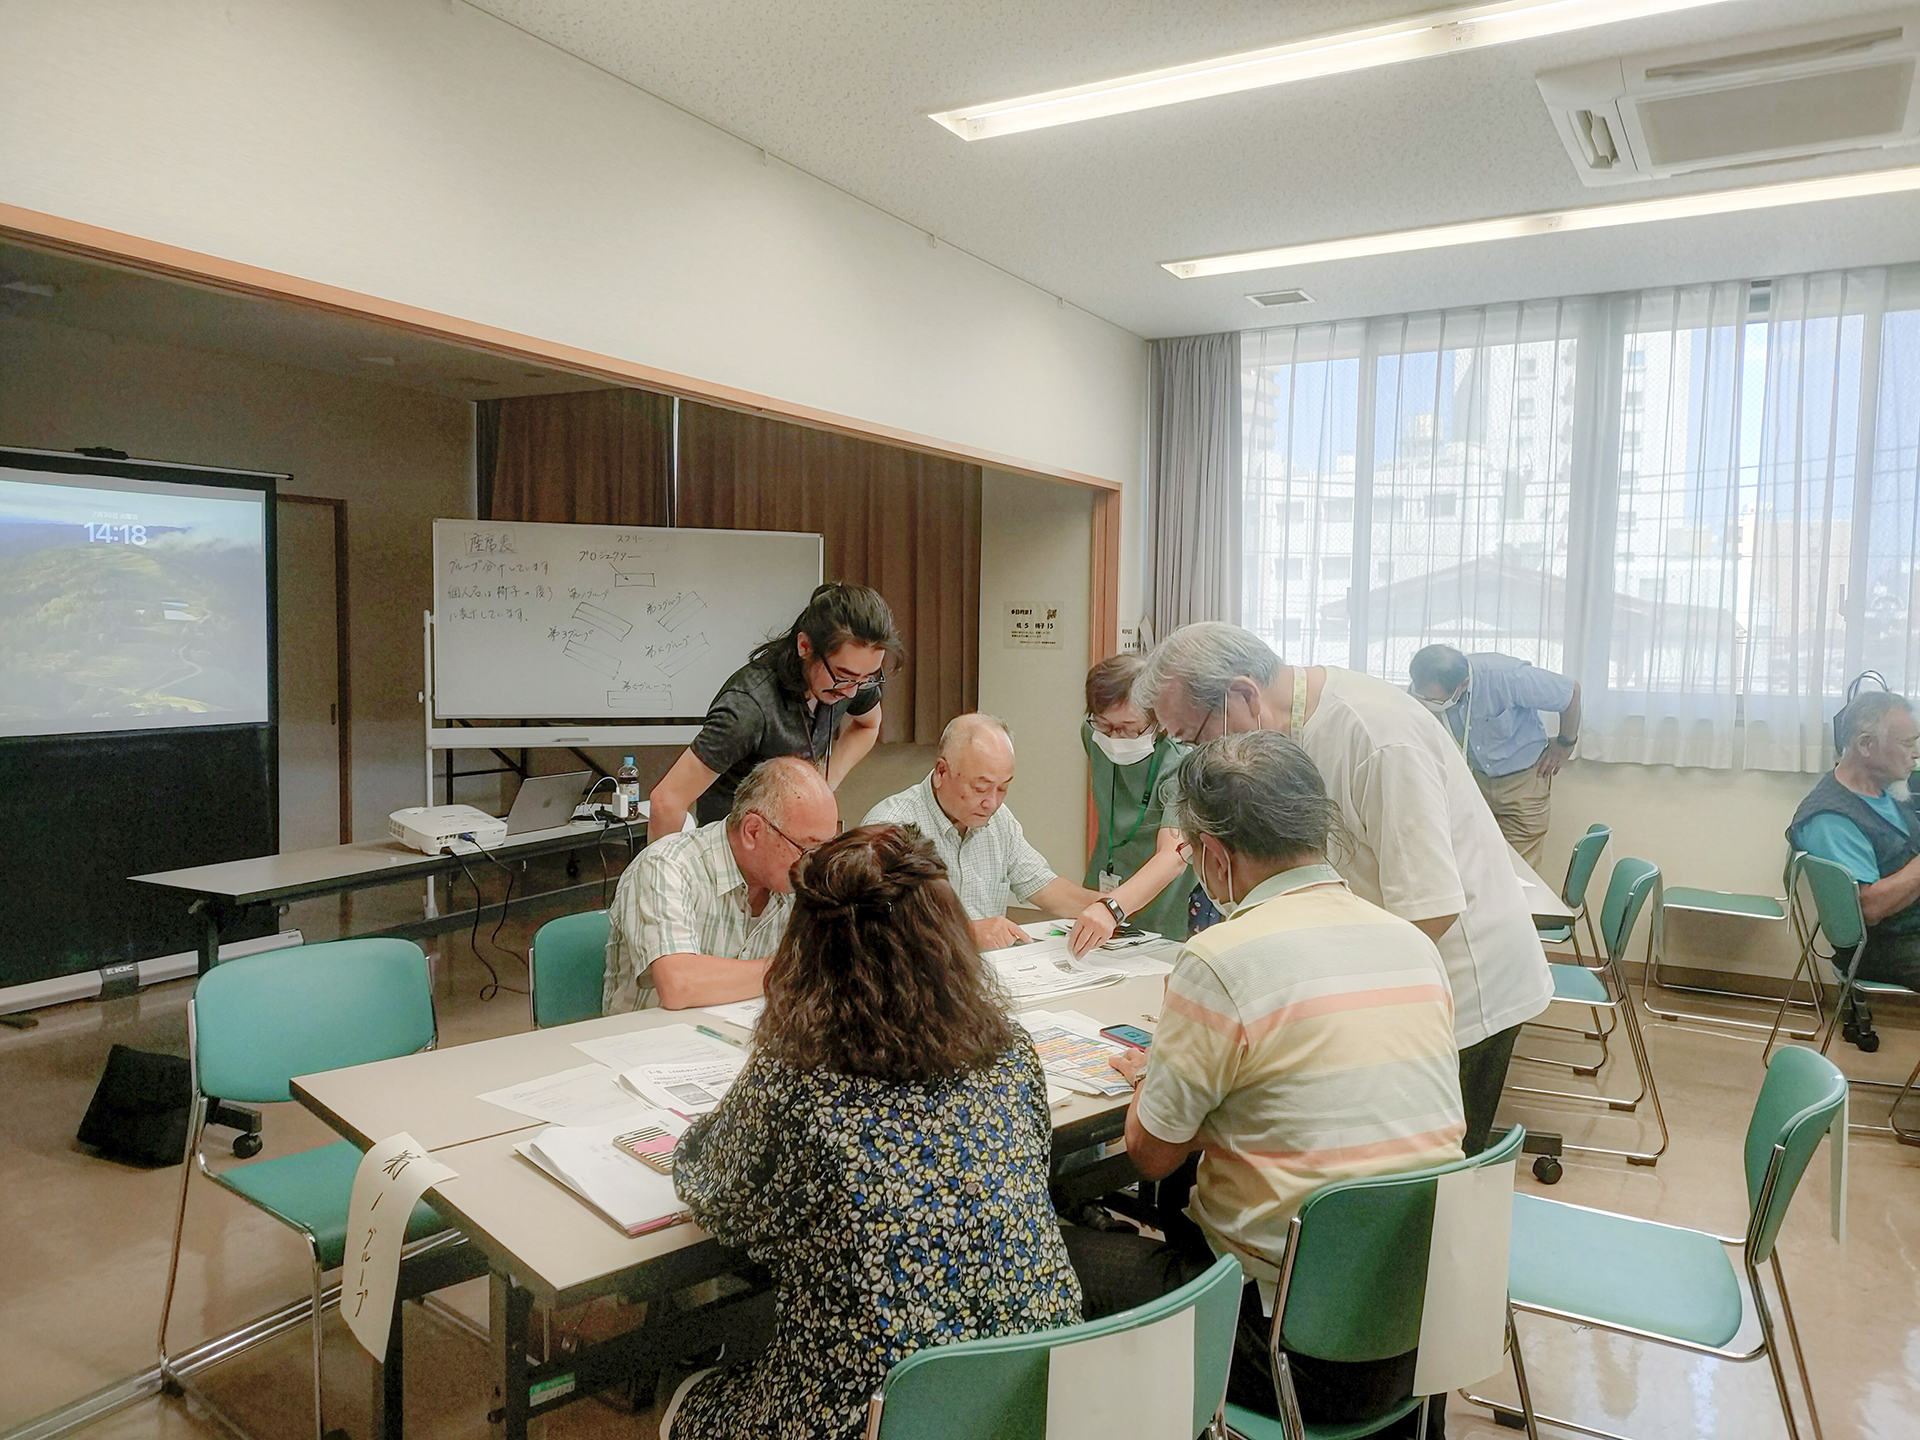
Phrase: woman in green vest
x=1136 y=863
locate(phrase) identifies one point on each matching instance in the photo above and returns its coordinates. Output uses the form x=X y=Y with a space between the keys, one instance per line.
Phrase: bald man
x=697 y=915
x=961 y=808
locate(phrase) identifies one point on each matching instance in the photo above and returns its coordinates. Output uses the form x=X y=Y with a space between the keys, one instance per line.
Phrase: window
x=1752 y=474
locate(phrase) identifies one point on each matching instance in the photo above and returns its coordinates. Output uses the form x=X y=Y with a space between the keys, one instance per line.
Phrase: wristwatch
x=1113 y=909
x=1566 y=742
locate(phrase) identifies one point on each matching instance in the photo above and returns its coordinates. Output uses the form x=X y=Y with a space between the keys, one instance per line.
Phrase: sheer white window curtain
x=1700 y=501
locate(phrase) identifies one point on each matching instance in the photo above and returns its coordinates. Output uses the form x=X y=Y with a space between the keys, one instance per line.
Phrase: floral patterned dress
x=892 y=1216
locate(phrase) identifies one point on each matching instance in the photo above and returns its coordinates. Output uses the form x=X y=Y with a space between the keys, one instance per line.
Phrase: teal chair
x=252 y=1026
x=1604 y=988
x=1678 y=1287
x=1838 y=922
x=999 y=1387
x=1585 y=859
x=1726 y=905
x=567 y=969
x=1354 y=1285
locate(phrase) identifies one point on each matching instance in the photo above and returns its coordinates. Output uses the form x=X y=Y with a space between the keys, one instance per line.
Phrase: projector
x=431 y=829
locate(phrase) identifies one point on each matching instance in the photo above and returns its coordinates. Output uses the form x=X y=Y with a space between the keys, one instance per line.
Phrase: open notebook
x=590 y=1160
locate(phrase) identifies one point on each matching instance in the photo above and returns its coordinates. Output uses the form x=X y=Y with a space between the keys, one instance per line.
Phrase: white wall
x=399 y=459
x=427 y=153
x=1036 y=545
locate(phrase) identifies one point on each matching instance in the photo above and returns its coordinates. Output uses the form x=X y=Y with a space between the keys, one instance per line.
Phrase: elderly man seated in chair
x=1306 y=1038
x=697 y=915
x=961 y=808
x=1862 y=817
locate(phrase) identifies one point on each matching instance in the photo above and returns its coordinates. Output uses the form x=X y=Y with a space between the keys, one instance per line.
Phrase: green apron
x=1130 y=827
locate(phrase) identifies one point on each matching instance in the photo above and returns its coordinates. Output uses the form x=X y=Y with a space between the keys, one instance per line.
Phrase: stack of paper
x=1074 y=1053
x=634 y=1197
x=659 y=1045
x=1046 y=967
x=741 y=1012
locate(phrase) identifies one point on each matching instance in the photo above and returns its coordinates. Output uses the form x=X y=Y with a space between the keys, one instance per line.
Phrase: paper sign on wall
x=392 y=1177
x=1033 y=627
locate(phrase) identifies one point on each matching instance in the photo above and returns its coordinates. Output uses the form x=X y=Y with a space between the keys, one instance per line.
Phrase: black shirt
x=753 y=719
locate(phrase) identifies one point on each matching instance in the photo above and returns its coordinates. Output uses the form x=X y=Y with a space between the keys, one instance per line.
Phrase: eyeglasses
x=803 y=849
x=1122 y=732
x=849 y=684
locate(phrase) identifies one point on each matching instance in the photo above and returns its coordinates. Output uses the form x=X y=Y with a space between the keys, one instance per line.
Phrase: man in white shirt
x=960 y=808
x=697 y=915
x=1422 y=843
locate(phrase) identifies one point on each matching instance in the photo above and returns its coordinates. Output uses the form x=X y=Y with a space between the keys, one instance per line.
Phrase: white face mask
x=1226 y=908
x=1126 y=750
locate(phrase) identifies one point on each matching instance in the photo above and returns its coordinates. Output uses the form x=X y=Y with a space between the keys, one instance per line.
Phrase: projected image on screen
x=129 y=604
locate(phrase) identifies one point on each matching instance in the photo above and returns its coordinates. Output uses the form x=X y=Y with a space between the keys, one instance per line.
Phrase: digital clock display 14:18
x=116 y=534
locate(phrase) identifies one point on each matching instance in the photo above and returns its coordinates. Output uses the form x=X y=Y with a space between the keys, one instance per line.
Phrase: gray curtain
x=1193 y=470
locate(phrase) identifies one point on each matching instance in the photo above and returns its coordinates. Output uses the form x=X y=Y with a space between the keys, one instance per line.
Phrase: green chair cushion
x=1622 y=1271
x=1554 y=934
x=1578 y=984
x=1881 y=987
x=310 y=1191
x=1723 y=902
x=1256 y=1426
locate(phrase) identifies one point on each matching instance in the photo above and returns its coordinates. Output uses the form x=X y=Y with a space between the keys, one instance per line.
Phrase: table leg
x=243 y=1118
x=510 y=1309
x=386 y=1415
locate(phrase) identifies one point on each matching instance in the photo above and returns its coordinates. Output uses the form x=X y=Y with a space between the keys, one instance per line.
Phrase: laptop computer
x=547 y=801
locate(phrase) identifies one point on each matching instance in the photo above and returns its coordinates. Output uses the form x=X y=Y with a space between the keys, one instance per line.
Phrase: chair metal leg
x=1904 y=1136
x=1780 y=1015
x=1520 y=1377
x=1793 y=1338
x=1772 y=1347
x=194 y=1121
x=319 y=1314
x=1650 y=977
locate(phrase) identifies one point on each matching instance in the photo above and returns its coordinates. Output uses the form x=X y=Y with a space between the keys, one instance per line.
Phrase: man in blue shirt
x=1862 y=817
x=1492 y=704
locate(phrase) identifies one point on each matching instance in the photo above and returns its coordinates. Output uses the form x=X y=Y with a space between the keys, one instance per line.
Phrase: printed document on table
x=690 y=1089
x=588 y=1160
x=1046 y=967
x=1074 y=1053
x=589 y=1095
x=1143 y=954
x=658 y=1045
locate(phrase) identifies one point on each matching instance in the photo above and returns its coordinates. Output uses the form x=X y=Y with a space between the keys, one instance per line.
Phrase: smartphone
x=1131 y=1036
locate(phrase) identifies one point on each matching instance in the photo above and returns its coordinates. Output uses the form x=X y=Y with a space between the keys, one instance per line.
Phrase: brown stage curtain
x=598 y=457
x=907 y=524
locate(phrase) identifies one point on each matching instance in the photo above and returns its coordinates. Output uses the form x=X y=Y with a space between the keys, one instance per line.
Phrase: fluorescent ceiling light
x=1438 y=32
x=1594 y=217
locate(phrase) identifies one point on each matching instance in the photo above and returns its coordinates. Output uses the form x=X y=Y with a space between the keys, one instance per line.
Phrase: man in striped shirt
x=1305 y=1039
x=696 y=915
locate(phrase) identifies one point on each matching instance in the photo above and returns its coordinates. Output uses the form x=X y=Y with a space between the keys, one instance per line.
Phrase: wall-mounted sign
x=1032 y=627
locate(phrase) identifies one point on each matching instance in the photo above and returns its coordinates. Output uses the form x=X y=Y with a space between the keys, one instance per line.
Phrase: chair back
x=1586 y=856
x=261 y=1020
x=1356 y=1278
x=1802 y=1093
x=1627 y=891
x=1003 y=1386
x=1836 y=901
x=567 y=968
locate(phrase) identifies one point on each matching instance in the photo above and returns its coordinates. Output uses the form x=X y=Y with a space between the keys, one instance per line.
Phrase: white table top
x=266 y=876
x=550 y=1240
x=1542 y=899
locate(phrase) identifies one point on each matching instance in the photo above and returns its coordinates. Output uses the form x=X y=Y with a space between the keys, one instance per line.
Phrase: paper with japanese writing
x=392 y=1177
x=1463 y=1320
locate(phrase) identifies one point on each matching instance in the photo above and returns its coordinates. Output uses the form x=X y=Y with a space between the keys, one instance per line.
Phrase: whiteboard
x=550 y=622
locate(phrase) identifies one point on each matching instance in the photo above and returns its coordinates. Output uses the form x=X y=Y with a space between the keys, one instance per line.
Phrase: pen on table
x=723 y=1039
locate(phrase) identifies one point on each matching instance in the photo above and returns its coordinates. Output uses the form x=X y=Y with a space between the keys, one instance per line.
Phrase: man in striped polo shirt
x=1307 y=1038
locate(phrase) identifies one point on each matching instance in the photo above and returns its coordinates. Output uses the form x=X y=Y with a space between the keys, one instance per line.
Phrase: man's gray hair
x=963 y=728
x=772 y=787
x=1258 y=794
x=1203 y=659
x=1865 y=713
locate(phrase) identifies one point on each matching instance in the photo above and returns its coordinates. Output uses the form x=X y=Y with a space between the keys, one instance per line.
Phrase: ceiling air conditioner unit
x=1813 y=90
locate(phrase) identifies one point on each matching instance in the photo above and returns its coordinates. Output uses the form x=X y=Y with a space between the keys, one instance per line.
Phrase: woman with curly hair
x=884 y=1152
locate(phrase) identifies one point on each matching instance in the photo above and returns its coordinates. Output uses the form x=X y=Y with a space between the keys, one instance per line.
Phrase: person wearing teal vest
x=1137 y=864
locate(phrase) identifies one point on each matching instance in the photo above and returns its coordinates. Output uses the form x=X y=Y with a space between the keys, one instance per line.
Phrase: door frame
x=342 y=650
